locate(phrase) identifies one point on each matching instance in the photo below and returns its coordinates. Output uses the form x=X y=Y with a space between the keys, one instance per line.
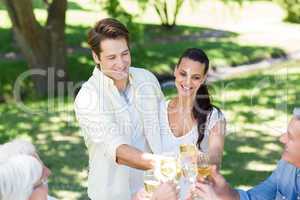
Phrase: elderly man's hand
x=216 y=188
x=204 y=191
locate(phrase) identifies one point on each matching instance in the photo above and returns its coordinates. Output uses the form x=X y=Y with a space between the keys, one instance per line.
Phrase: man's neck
x=297 y=165
x=121 y=84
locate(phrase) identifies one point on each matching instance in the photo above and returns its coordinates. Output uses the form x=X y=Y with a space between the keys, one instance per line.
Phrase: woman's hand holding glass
x=204 y=170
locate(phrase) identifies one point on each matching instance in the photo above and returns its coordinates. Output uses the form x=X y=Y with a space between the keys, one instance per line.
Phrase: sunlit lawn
x=256 y=107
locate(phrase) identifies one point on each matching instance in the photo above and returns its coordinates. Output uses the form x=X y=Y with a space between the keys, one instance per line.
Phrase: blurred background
x=253 y=46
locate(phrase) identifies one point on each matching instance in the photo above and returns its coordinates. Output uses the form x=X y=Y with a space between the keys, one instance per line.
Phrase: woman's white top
x=171 y=143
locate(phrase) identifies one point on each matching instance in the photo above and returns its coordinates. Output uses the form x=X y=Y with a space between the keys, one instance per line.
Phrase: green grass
x=256 y=106
x=6 y=35
x=55 y=133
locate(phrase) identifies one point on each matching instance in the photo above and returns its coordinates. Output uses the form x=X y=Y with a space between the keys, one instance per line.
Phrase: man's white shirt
x=107 y=120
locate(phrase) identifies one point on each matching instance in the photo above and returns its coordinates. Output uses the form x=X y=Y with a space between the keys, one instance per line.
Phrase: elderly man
x=284 y=182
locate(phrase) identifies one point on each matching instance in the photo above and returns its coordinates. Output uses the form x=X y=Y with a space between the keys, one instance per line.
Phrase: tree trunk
x=176 y=12
x=43 y=46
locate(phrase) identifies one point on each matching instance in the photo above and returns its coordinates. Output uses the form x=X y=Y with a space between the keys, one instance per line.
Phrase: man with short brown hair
x=117 y=110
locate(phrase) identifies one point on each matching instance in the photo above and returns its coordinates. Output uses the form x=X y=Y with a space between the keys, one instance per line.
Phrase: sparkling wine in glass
x=151 y=183
x=168 y=167
x=188 y=155
x=204 y=166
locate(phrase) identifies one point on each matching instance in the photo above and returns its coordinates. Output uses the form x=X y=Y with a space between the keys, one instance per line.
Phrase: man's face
x=291 y=141
x=115 y=59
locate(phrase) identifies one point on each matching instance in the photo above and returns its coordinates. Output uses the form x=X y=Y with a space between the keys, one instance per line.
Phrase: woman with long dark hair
x=190 y=117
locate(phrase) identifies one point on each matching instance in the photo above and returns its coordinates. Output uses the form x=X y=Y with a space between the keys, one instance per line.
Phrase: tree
x=292 y=8
x=43 y=46
x=115 y=10
x=167 y=14
x=167 y=10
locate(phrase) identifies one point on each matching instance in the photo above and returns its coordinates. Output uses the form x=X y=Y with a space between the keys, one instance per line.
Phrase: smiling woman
x=190 y=117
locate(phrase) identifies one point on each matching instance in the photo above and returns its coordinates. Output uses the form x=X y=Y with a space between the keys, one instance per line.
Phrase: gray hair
x=296 y=113
x=18 y=175
x=16 y=147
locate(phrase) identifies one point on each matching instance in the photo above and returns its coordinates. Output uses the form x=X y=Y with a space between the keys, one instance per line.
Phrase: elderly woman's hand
x=166 y=191
x=141 y=195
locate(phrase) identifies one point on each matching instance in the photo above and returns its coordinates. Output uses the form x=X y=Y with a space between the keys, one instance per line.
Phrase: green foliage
x=292 y=8
x=115 y=10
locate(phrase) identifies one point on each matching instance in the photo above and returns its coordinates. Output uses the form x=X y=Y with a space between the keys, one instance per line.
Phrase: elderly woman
x=20 y=179
x=23 y=176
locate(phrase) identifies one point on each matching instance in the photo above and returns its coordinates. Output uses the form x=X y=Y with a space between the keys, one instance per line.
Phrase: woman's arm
x=216 y=142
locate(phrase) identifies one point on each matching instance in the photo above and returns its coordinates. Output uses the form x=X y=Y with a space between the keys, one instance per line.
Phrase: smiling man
x=283 y=184
x=117 y=111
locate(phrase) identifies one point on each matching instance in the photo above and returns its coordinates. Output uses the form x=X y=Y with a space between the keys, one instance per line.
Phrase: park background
x=254 y=48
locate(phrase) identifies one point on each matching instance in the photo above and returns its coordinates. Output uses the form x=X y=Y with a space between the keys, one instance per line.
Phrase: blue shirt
x=283 y=184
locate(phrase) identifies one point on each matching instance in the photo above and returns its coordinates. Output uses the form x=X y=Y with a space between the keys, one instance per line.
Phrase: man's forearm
x=132 y=157
x=235 y=195
x=231 y=194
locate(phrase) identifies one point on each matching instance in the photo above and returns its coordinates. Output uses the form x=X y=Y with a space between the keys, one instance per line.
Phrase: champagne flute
x=188 y=154
x=151 y=183
x=178 y=170
x=187 y=149
x=188 y=157
x=189 y=170
x=168 y=167
x=204 y=166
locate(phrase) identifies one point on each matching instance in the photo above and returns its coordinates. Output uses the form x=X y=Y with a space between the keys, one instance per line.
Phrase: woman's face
x=40 y=191
x=189 y=76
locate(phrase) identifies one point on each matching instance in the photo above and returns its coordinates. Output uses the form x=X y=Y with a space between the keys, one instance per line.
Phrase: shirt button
x=283 y=197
